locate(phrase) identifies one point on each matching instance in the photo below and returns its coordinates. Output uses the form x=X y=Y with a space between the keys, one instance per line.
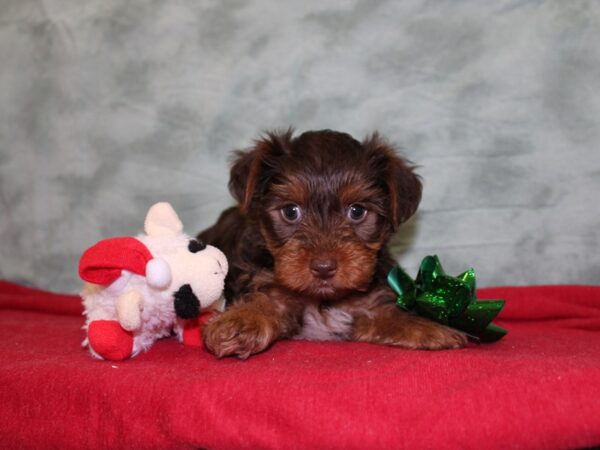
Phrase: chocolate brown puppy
x=307 y=245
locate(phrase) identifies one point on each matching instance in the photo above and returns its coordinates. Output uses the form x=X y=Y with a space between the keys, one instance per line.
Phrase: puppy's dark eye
x=196 y=246
x=291 y=213
x=356 y=213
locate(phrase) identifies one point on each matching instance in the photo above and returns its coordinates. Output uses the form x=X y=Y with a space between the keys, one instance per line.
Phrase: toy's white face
x=202 y=267
x=192 y=263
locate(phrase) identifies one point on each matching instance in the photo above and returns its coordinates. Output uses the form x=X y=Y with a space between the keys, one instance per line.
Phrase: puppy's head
x=325 y=204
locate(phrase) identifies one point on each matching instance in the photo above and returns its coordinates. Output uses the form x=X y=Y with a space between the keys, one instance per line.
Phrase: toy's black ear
x=397 y=175
x=187 y=305
x=252 y=169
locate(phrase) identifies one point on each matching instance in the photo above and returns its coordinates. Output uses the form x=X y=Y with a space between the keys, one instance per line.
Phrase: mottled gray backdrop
x=108 y=106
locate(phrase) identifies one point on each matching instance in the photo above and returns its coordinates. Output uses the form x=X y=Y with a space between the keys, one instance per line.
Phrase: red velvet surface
x=539 y=387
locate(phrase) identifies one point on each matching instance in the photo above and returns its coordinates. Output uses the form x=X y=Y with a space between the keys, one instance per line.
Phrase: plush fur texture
x=190 y=276
x=307 y=245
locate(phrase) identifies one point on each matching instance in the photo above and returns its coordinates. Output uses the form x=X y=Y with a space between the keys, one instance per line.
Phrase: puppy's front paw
x=391 y=326
x=239 y=333
x=433 y=336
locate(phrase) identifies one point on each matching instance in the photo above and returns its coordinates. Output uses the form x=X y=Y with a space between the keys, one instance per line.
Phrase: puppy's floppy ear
x=253 y=168
x=403 y=186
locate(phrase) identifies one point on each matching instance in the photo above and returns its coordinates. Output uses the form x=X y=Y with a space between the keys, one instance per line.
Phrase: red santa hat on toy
x=104 y=262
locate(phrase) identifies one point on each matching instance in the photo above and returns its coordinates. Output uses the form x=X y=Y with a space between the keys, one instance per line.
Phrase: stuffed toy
x=140 y=289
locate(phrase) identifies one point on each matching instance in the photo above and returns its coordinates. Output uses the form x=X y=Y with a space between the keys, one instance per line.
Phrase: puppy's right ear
x=252 y=169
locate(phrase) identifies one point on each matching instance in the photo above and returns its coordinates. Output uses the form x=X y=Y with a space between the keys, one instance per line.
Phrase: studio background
x=107 y=107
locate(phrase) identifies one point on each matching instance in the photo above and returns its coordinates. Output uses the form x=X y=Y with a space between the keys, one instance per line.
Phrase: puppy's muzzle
x=323 y=268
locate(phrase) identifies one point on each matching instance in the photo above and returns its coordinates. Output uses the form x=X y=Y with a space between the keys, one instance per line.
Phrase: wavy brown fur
x=322 y=276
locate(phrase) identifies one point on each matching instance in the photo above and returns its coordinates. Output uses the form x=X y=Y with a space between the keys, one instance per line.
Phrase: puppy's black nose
x=323 y=268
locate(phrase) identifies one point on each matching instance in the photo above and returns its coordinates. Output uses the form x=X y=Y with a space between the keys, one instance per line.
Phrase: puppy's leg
x=389 y=325
x=252 y=326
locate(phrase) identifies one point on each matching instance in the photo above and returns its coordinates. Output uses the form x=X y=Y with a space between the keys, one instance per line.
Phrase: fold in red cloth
x=539 y=387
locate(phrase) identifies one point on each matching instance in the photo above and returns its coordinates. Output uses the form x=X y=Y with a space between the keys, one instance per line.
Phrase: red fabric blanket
x=539 y=387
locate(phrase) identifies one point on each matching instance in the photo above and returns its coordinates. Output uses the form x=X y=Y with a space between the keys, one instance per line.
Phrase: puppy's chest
x=325 y=324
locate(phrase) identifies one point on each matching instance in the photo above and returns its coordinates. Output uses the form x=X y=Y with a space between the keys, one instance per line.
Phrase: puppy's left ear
x=403 y=186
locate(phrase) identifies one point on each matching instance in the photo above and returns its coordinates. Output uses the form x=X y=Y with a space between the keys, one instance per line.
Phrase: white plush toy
x=143 y=288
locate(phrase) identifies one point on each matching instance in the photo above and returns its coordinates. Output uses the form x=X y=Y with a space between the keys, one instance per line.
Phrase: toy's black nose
x=323 y=268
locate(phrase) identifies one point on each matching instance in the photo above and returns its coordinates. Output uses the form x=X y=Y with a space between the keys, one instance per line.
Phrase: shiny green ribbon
x=448 y=300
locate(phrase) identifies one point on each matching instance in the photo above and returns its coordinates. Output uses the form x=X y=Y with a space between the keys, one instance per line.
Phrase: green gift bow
x=448 y=300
